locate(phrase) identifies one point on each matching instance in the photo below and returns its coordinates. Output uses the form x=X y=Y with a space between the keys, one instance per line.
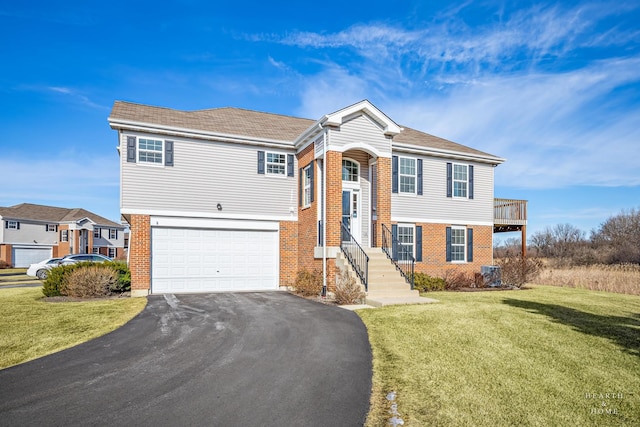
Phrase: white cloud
x=520 y=88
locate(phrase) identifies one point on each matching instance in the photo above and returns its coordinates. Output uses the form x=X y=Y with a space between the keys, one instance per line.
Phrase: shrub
x=456 y=279
x=53 y=286
x=348 y=291
x=518 y=270
x=425 y=283
x=123 y=284
x=89 y=281
x=308 y=283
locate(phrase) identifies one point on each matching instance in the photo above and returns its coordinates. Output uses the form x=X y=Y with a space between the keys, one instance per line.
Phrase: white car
x=41 y=269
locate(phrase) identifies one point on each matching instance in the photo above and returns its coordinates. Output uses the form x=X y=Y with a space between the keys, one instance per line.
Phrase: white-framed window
x=13 y=225
x=458 y=244
x=306 y=172
x=460 y=180
x=406 y=238
x=51 y=227
x=150 y=151
x=407 y=175
x=64 y=235
x=276 y=163
x=350 y=171
x=113 y=233
x=97 y=233
x=95 y=250
x=112 y=253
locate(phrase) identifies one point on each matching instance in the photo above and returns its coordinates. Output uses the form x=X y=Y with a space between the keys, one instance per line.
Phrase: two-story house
x=31 y=233
x=229 y=199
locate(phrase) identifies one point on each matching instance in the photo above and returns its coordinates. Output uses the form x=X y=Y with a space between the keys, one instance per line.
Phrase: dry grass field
x=623 y=279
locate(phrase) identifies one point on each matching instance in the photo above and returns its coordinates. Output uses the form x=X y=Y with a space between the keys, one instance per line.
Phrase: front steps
x=386 y=284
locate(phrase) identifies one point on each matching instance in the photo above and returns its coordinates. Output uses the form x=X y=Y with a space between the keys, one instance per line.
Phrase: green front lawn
x=31 y=328
x=540 y=356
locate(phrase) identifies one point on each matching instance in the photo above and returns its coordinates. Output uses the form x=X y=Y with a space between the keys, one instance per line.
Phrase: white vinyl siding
x=435 y=206
x=205 y=174
x=360 y=129
x=28 y=233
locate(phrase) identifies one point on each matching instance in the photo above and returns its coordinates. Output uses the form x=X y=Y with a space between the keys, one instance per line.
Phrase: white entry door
x=351 y=212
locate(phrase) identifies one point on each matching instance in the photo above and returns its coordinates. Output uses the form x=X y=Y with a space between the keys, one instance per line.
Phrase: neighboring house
x=233 y=199
x=31 y=233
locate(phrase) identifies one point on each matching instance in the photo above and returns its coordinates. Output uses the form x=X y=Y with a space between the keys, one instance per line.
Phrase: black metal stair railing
x=399 y=254
x=356 y=256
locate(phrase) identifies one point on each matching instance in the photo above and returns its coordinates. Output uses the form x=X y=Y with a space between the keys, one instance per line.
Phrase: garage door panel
x=24 y=257
x=206 y=260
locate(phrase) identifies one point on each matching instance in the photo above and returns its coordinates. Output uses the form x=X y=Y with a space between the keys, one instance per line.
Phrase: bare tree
x=619 y=236
x=560 y=241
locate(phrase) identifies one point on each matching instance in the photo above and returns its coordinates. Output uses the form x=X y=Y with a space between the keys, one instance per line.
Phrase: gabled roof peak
x=337 y=118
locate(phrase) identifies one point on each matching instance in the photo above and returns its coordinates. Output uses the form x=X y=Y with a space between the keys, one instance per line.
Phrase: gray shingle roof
x=240 y=122
x=28 y=211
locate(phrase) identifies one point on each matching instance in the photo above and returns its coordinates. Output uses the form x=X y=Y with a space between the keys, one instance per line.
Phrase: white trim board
x=173 y=222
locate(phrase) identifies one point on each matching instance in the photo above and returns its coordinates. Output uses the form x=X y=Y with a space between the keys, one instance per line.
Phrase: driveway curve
x=233 y=359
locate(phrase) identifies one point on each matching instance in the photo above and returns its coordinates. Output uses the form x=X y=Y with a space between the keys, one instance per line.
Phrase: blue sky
x=552 y=87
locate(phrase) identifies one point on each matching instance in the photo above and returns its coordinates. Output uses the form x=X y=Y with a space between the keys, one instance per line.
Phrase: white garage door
x=211 y=260
x=23 y=257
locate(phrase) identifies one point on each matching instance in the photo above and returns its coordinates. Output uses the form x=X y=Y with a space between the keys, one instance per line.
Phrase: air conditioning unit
x=492 y=275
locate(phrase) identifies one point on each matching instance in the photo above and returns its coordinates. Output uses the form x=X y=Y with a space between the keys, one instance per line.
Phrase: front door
x=351 y=217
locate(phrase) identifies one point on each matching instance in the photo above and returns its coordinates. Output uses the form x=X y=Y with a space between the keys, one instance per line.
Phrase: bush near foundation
x=348 y=290
x=90 y=281
x=518 y=270
x=308 y=283
x=425 y=283
x=456 y=279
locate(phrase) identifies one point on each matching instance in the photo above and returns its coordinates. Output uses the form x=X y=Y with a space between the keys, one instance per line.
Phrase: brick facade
x=6 y=253
x=140 y=255
x=383 y=195
x=288 y=252
x=434 y=254
x=308 y=216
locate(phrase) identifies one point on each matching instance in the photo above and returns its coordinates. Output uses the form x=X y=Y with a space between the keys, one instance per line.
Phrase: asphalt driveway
x=243 y=359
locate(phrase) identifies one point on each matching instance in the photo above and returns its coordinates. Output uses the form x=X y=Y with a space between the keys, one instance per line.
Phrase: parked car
x=41 y=269
x=72 y=259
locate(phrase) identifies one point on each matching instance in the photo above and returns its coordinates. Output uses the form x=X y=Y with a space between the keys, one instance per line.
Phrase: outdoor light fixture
x=219 y=207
